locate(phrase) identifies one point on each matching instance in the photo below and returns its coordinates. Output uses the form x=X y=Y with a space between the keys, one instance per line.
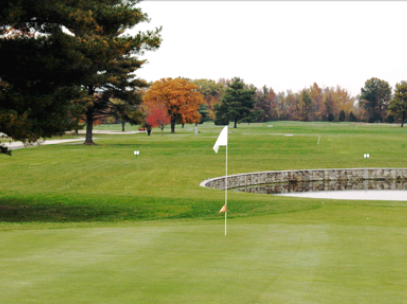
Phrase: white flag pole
x=226 y=188
x=223 y=141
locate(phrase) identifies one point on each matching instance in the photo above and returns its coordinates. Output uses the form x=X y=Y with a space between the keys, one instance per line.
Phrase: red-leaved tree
x=158 y=117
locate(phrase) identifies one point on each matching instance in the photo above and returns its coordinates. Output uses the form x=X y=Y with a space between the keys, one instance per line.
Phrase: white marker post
x=136 y=153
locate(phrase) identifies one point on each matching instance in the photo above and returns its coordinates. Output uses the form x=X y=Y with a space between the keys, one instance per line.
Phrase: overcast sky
x=285 y=45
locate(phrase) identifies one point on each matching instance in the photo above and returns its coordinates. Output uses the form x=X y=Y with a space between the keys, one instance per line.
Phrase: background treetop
x=180 y=97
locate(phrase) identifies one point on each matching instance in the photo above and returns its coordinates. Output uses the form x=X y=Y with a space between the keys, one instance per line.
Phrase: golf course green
x=93 y=224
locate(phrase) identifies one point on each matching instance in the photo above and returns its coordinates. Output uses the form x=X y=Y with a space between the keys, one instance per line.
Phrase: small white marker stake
x=136 y=153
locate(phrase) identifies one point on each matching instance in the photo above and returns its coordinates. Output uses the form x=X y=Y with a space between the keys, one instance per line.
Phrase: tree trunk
x=89 y=127
x=149 y=131
x=183 y=125
x=89 y=120
x=123 y=123
x=172 y=125
x=402 y=120
x=235 y=126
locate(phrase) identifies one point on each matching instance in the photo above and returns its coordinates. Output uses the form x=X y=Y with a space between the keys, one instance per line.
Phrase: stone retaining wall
x=270 y=177
x=317 y=186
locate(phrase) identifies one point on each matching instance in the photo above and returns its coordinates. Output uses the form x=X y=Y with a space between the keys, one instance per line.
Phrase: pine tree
x=48 y=79
x=352 y=117
x=398 y=105
x=375 y=97
x=112 y=61
x=342 y=115
x=39 y=72
x=237 y=102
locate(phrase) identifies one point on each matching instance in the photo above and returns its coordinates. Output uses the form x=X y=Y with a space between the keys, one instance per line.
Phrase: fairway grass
x=92 y=224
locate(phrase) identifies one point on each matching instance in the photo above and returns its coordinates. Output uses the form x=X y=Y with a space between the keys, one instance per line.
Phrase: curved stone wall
x=270 y=177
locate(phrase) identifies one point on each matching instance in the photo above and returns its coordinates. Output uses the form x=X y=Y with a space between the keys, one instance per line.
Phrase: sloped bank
x=290 y=176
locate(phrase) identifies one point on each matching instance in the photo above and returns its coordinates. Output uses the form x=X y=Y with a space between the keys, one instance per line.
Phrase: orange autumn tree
x=180 y=97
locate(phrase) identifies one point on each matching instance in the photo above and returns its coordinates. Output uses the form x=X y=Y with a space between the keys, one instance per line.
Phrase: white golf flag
x=222 y=139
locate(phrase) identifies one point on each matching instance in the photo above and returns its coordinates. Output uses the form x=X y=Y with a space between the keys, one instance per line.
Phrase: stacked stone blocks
x=291 y=176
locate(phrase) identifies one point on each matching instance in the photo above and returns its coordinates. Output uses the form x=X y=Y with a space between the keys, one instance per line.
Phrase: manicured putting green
x=333 y=255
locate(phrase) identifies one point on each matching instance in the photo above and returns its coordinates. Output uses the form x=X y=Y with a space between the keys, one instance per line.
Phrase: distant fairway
x=82 y=224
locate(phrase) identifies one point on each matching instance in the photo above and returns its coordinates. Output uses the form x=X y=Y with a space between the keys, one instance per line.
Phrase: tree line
x=231 y=100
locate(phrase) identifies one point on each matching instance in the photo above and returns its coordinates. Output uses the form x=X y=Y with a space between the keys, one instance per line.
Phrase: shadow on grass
x=78 y=208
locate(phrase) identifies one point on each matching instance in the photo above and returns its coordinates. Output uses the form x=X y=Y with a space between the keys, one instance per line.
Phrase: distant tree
x=123 y=112
x=352 y=117
x=342 y=116
x=205 y=113
x=266 y=104
x=398 y=105
x=305 y=105
x=158 y=117
x=375 y=97
x=220 y=120
x=390 y=118
x=343 y=101
x=316 y=94
x=329 y=104
x=212 y=92
x=237 y=102
x=180 y=98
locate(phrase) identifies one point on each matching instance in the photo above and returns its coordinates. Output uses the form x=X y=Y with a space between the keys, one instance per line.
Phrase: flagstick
x=226 y=188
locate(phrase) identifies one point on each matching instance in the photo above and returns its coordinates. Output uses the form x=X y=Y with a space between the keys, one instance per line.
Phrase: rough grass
x=92 y=224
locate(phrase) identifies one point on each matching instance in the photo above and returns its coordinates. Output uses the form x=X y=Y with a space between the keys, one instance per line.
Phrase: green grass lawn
x=116 y=127
x=93 y=224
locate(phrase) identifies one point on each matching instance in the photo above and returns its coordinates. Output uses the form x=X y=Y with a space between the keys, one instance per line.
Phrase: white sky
x=285 y=45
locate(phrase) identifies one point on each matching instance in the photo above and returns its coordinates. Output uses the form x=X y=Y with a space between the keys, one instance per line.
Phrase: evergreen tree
x=266 y=104
x=204 y=112
x=112 y=61
x=123 y=112
x=220 y=120
x=55 y=73
x=39 y=72
x=237 y=102
x=375 y=97
x=342 y=115
x=398 y=105
x=352 y=117
x=390 y=118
